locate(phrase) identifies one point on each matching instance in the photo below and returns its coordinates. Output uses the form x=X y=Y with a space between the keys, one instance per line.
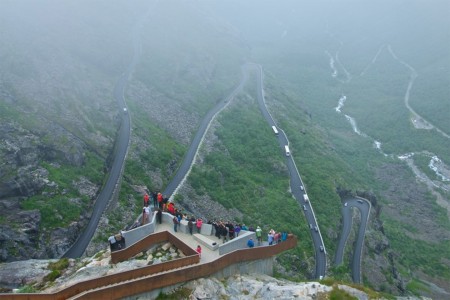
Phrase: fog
x=367 y=81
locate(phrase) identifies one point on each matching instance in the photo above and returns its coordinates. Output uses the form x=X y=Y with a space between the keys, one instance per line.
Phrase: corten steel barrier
x=90 y=284
x=191 y=258
x=145 y=243
x=114 y=287
x=146 y=284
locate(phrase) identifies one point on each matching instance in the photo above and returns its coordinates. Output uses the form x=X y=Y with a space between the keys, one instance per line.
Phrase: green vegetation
x=417 y=287
x=61 y=205
x=423 y=256
x=59 y=265
x=338 y=294
x=52 y=275
x=27 y=289
x=341 y=273
x=330 y=155
x=56 y=269
x=158 y=155
x=246 y=171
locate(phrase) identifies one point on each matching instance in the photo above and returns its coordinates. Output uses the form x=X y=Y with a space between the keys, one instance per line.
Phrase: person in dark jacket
x=159 y=216
x=190 y=226
x=175 y=223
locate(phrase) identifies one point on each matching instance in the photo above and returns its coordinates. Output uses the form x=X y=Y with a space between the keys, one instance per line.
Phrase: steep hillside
x=360 y=89
x=58 y=118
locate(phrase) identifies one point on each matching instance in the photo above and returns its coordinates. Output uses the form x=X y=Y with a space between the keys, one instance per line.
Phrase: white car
x=345 y=204
x=301 y=188
x=125 y=110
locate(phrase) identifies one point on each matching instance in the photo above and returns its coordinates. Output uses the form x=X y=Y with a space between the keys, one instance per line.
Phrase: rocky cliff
x=239 y=286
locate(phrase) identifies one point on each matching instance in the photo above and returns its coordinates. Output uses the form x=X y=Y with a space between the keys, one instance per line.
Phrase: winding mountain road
x=295 y=179
x=120 y=151
x=363 y=206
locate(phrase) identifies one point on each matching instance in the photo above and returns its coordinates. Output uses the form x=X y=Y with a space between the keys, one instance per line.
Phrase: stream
x=440 y=169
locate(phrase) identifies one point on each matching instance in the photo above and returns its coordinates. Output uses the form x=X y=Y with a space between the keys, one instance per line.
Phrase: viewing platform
x=227 y=259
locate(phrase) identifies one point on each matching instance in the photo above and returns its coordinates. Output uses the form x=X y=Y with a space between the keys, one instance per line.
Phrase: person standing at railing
x=154 y=197
x=199 y=224
x=159 y=216
x=199 y=251
x=175 y=223
x=190 y=226
x=259 y=235
x=146 y=198
x=237 y=229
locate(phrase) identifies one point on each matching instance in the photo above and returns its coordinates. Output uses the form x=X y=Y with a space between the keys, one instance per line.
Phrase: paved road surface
x=120 y=151
x=186 y=166
x=364 y=207
x=295 y=180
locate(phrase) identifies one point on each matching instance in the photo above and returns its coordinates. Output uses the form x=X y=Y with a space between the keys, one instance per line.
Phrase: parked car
x=301 y=188
x=321 y=248
x=345 y=204
x=310 y=226
x=304 y=207
x=316 y=229
x=360 y=201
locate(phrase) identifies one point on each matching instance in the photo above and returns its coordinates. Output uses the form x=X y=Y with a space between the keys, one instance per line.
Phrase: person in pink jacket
x=199 y=224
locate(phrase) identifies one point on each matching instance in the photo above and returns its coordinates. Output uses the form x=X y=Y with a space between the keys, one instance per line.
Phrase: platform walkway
x=208 y=255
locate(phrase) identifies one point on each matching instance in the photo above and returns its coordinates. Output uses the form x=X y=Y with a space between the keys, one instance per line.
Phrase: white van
x=288 y=152
x=275 y=130
x=305 y=197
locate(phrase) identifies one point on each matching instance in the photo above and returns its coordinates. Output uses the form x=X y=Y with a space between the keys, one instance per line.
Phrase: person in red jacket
x=199 y=251
x=159 y=197
x=199 y=224
x=146 y=198
x=171 y=208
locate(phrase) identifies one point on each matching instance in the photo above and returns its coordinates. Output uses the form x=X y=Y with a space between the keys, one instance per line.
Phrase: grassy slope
x=247 y=171
x=185 y=63
x=329 y=155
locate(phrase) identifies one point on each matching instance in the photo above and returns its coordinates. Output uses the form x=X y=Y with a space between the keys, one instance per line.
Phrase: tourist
x=159 y=198
x=237 y=229
x=175 y=223
x=199 y=224
x=277 y=238
x=199 y=251
x=145 y=215
x=146 y=198
x=250 y=243
x=259 y=235
x=190 y=225
x=171 y=208
x=159 y=215
x=154 y=196
x=270 y=236
x=230 y=230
